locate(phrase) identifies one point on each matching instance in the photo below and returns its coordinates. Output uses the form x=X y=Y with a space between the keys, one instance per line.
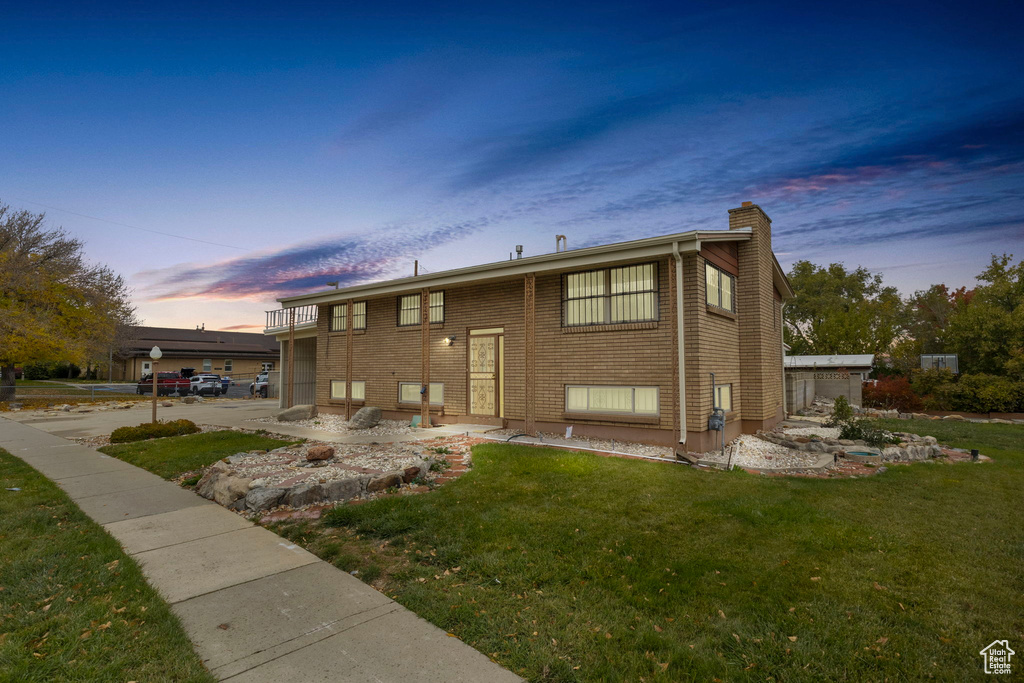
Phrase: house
x=829 y=376
x=236 y=354
x=618 y=340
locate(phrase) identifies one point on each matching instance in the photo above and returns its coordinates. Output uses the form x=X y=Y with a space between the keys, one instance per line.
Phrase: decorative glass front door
x=483 y=375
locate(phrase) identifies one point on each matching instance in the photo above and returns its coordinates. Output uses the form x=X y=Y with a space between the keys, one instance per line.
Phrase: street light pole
x=155 y=354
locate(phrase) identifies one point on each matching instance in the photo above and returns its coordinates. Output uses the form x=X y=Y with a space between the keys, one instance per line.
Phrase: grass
x=569 y=566
x=73 y=606
x=173 y=456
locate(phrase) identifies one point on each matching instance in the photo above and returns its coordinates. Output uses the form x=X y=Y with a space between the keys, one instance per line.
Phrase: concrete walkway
x=256 y=607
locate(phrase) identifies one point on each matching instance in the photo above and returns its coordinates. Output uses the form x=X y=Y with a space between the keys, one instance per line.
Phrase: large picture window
x=409 y=392
x=612 y=400
x=339 y=316
x=338 y=390
x=721 y=288
x=614 y=295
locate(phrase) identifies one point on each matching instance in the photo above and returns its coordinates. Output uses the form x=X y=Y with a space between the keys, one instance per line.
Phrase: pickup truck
x=259 y=385
x=167 y=383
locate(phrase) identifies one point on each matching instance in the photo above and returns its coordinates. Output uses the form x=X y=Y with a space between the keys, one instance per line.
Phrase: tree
x=840 y=311
x=988 y=332
x=53 y=304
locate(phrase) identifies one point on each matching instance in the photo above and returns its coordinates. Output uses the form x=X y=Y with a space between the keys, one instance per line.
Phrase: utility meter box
x=716 y=422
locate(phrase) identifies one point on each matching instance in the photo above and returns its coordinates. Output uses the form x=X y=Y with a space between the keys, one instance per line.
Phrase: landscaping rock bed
x=295 y=477
x=337 y=424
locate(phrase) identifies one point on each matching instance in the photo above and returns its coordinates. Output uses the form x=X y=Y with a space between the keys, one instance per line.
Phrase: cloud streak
x=350 y=260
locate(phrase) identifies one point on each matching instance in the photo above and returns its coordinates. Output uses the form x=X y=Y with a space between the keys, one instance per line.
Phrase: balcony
x=278 y=321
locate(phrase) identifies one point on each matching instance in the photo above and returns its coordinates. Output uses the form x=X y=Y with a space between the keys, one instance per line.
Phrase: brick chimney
x=760 y=371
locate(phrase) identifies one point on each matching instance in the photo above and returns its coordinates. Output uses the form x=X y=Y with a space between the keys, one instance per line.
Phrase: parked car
x=259 y=385
x=206 y=383
x=167 y=383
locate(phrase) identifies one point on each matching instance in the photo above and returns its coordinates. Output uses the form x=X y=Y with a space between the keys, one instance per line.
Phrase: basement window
x=721 y=287
x=612 y=400
x=338 y=390
x=611 y=296
x=409 y=392
x=339 y=317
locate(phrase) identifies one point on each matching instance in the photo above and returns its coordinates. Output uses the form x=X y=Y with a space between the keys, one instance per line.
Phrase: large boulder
x=384 y=482
x=319 y=453
x=303 y=412
x=343 y=489
x=302 y=495
x=365 y=418
x=258 y=500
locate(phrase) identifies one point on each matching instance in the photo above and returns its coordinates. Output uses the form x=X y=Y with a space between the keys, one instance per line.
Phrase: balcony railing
x=304 y=316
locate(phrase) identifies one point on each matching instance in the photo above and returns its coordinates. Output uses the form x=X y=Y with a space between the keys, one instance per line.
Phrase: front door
x=147 y=367
x=485 y=361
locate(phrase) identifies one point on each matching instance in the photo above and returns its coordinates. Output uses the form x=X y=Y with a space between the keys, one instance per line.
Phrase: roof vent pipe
x=519 y=251
x=561 y=243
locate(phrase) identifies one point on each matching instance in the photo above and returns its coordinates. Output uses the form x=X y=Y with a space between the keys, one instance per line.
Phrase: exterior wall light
x=448 y=341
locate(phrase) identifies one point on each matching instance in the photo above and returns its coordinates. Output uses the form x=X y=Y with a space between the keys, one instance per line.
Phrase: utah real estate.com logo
x=997 y=657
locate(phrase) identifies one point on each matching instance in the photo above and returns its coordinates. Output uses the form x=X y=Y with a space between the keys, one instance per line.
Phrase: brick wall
x=742 y=349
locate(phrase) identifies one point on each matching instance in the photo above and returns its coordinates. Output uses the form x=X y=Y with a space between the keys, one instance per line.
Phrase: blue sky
x=222 y=157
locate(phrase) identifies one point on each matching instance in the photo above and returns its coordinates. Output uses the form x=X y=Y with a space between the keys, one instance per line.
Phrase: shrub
x=866 y=431
x=891 y=393
x=841 y=413
x=36 y=371
x=987 y=394
x=150 y=430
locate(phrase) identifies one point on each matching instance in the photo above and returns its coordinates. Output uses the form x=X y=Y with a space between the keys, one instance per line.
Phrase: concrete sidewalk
x=256 y=607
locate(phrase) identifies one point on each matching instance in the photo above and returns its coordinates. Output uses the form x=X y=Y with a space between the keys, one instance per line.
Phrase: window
x=228 y=365
x=437 y=307
x=409 y=392
x=267 y=367
x=339 y=316
x=207 y=365
x=720 y=287
x=409 y=309
x=338 y=389
x=611 y=400
x=615 y=295
x=723 y=397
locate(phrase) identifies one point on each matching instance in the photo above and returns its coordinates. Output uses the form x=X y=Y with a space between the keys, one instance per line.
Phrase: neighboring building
x=826 y=376
x=617 y=340
x=938 y=361
x=236 y=354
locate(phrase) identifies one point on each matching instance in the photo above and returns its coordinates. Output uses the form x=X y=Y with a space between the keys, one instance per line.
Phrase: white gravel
x=755 y=453
x=591 y=443
x=823 y=432
x=337 y=424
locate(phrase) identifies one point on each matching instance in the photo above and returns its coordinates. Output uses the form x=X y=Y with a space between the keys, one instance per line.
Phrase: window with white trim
x=338 y=390
x=228 y=365
x=613 y=295
x=267 y=366
x=339 y=317
x=723 y=396
x=409 y=392
x=721 y=288
x=611 y=400
x=207 y=365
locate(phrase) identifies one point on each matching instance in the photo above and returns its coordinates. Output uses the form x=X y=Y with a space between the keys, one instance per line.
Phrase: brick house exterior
x=520 y=319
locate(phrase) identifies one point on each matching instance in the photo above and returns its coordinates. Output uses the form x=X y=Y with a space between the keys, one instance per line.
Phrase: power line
x=126 y=225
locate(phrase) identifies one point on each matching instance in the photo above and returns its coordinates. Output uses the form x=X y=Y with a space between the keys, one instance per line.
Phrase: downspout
x=782 y=348
x=681 y=338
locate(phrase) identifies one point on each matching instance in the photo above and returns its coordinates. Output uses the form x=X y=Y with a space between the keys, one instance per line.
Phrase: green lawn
x=569 y=566
x=176 y=455
x=73 y=606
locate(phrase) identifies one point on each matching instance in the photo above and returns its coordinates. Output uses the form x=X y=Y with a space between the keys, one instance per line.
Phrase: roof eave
x=590 y=256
